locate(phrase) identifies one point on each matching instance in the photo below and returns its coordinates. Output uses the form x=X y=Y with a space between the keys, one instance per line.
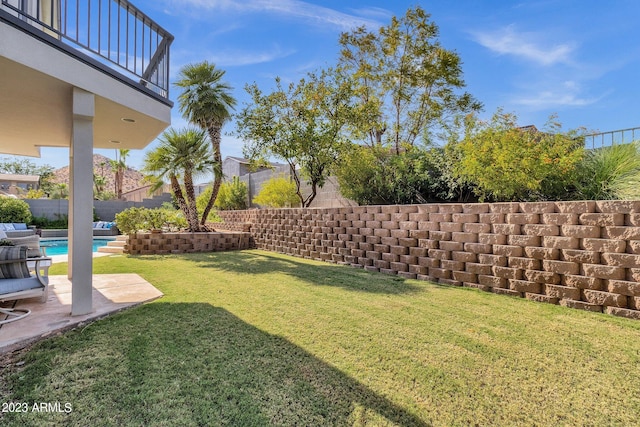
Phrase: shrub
x=133 y=220
x=376 y=175
x=155 y=219
x=507 y=163
x=358 y=174
x=611 y=173
x=277 y=192
x=14 y=210
x=232 y=195
x=175 y=219
x=61 y=221
x=35 y=194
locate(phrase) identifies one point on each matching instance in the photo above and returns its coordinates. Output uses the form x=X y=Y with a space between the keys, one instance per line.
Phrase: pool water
x=61 y=246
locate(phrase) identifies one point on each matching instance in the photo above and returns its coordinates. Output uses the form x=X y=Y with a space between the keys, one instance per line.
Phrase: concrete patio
x=111 y=293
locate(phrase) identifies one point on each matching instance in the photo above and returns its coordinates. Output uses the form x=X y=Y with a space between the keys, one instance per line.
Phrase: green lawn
x=253 y=338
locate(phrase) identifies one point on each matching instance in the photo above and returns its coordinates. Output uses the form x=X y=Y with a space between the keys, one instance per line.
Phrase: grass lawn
x=253 y=338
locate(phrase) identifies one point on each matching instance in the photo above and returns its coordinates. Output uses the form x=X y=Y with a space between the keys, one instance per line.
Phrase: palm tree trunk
x=182 y=204
x=215 y=136
x=191 y=201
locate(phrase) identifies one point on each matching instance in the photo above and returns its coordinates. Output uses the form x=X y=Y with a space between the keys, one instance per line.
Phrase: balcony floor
x=111 y=293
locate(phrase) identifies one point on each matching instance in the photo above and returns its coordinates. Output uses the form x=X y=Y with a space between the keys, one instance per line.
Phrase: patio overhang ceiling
x=36 y=111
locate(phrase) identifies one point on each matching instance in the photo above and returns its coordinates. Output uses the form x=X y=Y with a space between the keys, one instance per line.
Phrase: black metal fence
x=615 y=137
x=113 y=32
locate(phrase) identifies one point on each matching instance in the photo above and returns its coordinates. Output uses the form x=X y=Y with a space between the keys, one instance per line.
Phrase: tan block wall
x=178 y=243
x=582 y=255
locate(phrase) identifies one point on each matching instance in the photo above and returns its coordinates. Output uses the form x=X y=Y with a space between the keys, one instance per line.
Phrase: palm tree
x=180 y=154
x=206 y=101
x=99 y=182
x=119 y=166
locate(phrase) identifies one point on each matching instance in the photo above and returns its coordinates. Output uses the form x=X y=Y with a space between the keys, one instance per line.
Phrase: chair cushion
x=3 y=235
x=17 y=270
x=8 y=226
x=8 y=286
x=19 y=226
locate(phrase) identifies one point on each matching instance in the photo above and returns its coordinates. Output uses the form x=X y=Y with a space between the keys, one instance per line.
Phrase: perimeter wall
x=583 y=255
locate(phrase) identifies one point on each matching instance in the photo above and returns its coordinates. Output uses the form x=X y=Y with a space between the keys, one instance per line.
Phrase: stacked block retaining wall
x=583 y=255
x=178 y=243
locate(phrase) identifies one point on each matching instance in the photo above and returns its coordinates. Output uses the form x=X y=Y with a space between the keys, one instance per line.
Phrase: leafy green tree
x=505 y=162
x=277 y=192
x=206 y=102
x=301 y=124
x=180 y=155
x=405 y=82
x=22 y=166
x=232 y=195
x=407 y=90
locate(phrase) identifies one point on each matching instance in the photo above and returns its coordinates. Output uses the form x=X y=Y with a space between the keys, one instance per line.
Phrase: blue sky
x=577 y=58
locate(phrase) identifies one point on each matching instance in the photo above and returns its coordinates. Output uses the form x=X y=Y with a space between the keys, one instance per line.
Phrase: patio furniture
x=32 y=243
x=103 y=228
x=18 y=282
x=16 y=229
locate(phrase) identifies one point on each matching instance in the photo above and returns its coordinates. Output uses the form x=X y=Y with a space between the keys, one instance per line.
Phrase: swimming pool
x=61 y=246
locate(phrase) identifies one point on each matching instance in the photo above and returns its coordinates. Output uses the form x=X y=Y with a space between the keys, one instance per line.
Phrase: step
x=115 y=246
x=117 y=243
x=111 y=249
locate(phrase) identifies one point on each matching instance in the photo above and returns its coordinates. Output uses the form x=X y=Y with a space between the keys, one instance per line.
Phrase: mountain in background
x=102 y=166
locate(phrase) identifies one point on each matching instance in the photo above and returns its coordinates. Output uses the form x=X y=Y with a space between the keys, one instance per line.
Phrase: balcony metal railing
x=614 y=137
x=113 y=32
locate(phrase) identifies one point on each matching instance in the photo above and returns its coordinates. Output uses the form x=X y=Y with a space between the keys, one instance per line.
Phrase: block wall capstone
x=583 y=254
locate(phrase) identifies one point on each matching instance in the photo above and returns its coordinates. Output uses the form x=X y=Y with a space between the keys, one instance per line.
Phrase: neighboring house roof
x=19 y=178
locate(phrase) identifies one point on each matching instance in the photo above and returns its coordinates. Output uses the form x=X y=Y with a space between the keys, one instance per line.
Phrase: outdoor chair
x=18 y=281
x=32 y=243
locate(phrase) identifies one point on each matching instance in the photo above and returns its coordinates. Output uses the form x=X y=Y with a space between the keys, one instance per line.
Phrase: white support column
x=81 y=203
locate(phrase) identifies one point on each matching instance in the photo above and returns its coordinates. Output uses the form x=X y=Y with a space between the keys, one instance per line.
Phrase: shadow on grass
x=311 y=272
x=195 y=363
x=255 y=262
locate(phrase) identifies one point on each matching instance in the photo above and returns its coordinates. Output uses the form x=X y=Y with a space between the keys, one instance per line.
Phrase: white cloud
x=527 y=45
x=567 y=94
x=291 y=8
x=226 y=58
x=237 y=58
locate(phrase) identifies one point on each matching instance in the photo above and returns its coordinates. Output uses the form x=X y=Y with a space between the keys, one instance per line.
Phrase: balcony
x=106 y=47
x=111 y=33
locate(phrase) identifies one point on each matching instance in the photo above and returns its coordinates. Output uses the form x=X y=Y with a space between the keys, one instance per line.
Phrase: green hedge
x=14 y=210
